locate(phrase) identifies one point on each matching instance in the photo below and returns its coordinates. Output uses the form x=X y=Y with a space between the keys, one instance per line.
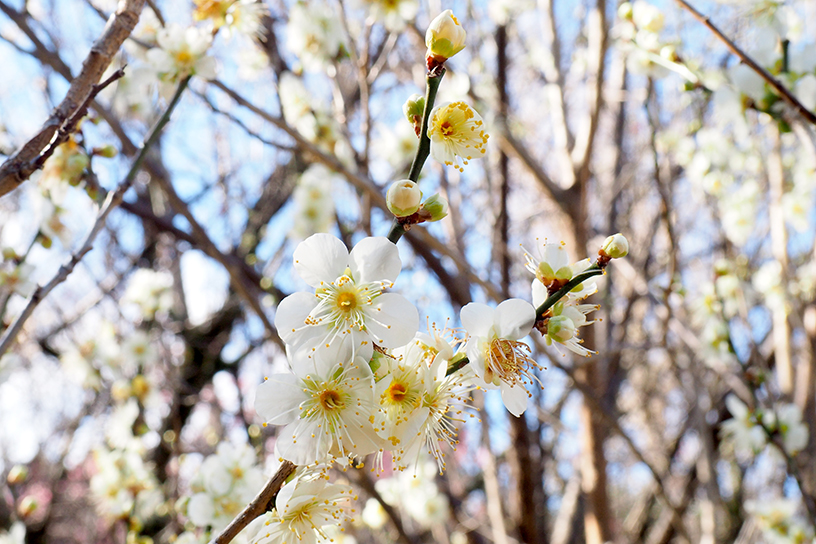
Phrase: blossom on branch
x=496 y=355
x=456 y=131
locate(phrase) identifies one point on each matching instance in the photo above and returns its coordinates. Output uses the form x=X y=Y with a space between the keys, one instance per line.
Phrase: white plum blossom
x=349 y=305
x=563 y=325
x=17 y=280
x=748 y=435
x=392 y=13
x=222 y=487
x=456 y=131
x=314 y=206
x=123 y=486
x=793 y=430
x=181 y=52
x=326 y=407
x=419 y=404
x=306 y=509
x=497 y=356
x=150 y=290
x=314 y=34
x=779 y=521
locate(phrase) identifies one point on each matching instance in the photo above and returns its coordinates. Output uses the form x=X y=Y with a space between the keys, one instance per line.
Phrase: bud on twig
x=403 y=198
x=445 y=37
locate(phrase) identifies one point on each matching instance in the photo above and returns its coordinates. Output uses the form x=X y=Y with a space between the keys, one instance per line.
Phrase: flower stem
x=595 y=270
x=432 y=82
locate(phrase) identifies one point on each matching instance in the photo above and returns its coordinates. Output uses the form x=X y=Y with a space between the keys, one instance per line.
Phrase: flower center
x=509 y=361
x=446 y=129
x=331 y=400
x=396 y=392
x=347 y=301
x=184 y=57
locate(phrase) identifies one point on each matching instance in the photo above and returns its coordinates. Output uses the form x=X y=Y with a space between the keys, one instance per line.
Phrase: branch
x=119 y=27
x=259 y=505
x=113 y=199
x=786 y=95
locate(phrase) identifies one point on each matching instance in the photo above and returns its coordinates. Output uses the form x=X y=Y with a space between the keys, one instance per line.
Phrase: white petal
x=397 y=320
x=296 y=443
x=201 y=510
x=477 y=319
x=540 y=293
x=277 y=399
x=514 y=398
x=291 y=316
x=320 y=258
x=375 y=259
x=514 y=319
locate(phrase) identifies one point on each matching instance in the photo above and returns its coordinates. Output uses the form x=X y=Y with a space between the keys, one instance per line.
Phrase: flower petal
x=320 y=258
x=290 y=319
x=515 y=398
x=477 y=319
x=278 y=398
x=375 y=259
x=392 y=320
x=514 y=318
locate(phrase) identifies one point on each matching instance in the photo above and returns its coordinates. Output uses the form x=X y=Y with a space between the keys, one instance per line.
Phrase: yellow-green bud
x=436 y=207
x=625 y=11
x=17 y=475
x=107 y=151
x=445 y=37
x=27 y=506
x=9 y=254
x=616 y=246
x=414 y=107
x=403 y=198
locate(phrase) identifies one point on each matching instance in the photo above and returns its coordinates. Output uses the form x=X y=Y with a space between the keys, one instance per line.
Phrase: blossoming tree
x=374 y=271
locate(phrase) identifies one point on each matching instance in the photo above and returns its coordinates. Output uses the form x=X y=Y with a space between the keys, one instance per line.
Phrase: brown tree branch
x=786 y=95
x=119 y=27
x=259 y=505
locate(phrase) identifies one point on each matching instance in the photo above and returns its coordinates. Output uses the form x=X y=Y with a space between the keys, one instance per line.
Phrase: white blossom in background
x=374 y=515
x=416 y=493
x=397 y=144
x=181 y=52
x=349 y=305
x=306 y=508
x=496 y=354
x=151 y=291
x=779 y=521
x=52 y=223
x=225 y=483
x=314 y=202
x=768 y=280
x=65 y=167
x=245 y=17
x=314 y=34
x=326 y=405
x=124 y=486
x=16 y=279
x=457 y=133
x=748 y=436
x=391 y=13
x=15 y=535
x=788 y=422
x=738 y=211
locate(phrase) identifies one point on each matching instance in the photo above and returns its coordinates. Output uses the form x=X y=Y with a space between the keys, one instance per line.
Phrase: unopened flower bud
x=403 y=198
x=560 y=328
x=17 y=475
x=28 y=505
x=625 y=11
x=414 y=107
x=616 y=246
x=435 y=207
x=107 y=151
x=9 y=254
x=445 y=37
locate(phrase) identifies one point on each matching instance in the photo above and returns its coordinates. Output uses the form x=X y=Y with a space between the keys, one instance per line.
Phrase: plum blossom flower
x=456 y=131
x=392 y=13
x=563 y=325
x=445 y=37
x=17 y=280
x=326 y=407
x=349 y=305
x=314 y=34
x=496 y=355
x=306 y=509
x=789 y=424
x=748 y=436
x=418 y=404
x=181 y=53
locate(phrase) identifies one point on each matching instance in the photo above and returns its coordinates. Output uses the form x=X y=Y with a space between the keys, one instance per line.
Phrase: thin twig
x=113 y=199
x=102 y=51
x=786 y=95
x=260 y=504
